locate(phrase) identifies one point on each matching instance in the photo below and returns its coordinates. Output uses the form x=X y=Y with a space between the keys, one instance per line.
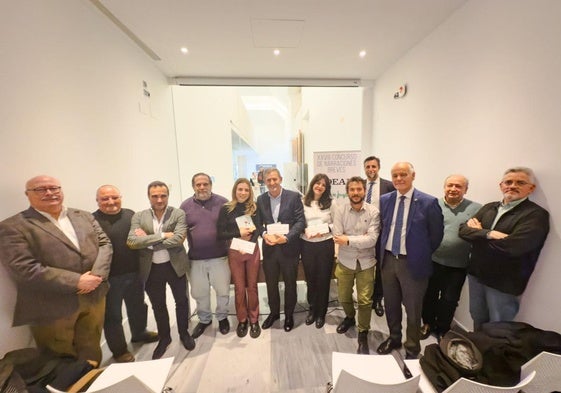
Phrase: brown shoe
x=145 y=337
x=126 y=357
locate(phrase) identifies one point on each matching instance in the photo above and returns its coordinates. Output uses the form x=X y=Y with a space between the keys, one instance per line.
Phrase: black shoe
x=224 y=326
x=378 y=308
x=161 y=348
x=199 y=329
x=268 y=322
x=241 y=331
x=188 y=342
x=387 y=346
x=310 y=318
x=425 y=331
x=254 y=330
x=409 y=355
x=288 y=323
x=345 y=325
x=363 y=343
x=320 y=321
x=145 y=337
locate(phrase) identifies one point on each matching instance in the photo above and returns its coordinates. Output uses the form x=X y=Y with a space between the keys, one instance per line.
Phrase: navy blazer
x=291 y=212
x=424 y=231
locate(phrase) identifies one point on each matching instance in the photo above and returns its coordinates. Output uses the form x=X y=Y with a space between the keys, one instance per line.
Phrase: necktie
x=369 y=193
x=396 y=240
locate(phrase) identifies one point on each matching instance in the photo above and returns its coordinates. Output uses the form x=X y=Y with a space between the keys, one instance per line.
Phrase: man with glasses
x=506 y=238
x=159 y=233
x=124 y=282
x=59 y=258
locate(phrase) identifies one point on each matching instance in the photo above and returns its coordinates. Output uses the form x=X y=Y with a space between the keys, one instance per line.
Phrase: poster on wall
x=338 y=166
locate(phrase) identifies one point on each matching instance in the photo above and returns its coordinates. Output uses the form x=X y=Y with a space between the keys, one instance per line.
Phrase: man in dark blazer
x=59 y=259
x=412 y=228
x=506 y=238
x=375 y=187
x=159 y=233
x=281 y=249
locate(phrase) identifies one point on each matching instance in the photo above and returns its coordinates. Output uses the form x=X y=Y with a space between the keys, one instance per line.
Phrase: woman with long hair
x=318 y=249
x=239 y=219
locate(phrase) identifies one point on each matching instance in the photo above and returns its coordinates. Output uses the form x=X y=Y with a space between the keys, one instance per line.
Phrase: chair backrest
x=463 y=385
x=349 y=383
x=548 y=373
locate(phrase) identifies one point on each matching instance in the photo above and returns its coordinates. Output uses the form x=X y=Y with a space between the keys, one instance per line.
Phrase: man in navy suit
x=412 y=228
x=376 y=186
x=280 y=249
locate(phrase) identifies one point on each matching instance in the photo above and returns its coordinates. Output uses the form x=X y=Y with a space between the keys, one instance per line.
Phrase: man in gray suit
x=159 y=234
x=59 y=258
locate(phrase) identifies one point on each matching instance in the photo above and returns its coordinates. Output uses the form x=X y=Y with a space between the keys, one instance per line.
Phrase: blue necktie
x=396 y=240
x=369 y=193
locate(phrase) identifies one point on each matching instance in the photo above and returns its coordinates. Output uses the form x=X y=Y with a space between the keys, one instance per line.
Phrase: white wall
x=483 y=95
x=70 y=88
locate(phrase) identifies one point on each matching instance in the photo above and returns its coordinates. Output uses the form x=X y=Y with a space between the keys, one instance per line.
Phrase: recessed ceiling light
x=184 y=50
x=276 y=52
x=362 y=53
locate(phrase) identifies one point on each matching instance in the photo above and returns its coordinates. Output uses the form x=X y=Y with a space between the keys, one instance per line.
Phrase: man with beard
x=59 y=258
x=208 y=255
x=506 y=238
x=412 y=228
x=356 y=226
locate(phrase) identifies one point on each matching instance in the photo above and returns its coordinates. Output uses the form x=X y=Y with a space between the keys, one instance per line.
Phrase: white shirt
x=63 y=223
x=159 y=256
x=406 y=206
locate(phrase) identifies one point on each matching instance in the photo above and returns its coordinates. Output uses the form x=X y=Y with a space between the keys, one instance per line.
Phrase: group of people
x=397 y=245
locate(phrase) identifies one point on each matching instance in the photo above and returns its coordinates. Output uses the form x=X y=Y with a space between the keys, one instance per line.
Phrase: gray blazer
x=174 y=221
x=46 y=266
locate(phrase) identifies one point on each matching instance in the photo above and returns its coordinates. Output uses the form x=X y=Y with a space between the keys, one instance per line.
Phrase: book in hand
x=245 y=221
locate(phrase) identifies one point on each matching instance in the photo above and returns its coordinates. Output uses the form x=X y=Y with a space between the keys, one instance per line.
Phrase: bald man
x=125 y=283
x=59 y=258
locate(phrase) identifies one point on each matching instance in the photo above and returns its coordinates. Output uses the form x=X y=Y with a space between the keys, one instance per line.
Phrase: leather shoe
x=268 y=322
x=378 y=308
x=363 y=348
x=288 y=323
x=188 y=342
x=145 y=337
x=409 y=356
x=200 y=329
x=320 y=321
x=161 y=348
x=254 y=330
x=124 y=358
x=387 y=346
x=310 y=318
x=425 y=331
x=224 y=326
x=241 y=330
x=345 y=325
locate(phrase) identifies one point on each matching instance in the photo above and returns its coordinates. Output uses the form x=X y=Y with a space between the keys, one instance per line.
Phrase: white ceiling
x=317 y=38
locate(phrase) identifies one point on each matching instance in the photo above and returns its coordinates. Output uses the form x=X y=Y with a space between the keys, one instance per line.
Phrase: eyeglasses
x=43 y=190
x=519 y=183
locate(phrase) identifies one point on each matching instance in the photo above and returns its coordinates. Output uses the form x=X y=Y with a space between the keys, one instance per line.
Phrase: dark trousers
x=274 y=264
x=160 y=275
x=400 y=287
x=441 y=298
x=127 y=288
x=318 y=259
x=378 y=293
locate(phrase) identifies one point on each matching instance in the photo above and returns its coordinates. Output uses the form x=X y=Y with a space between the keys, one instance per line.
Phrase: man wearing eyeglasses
x=125 y=284
x=506 y=238
x=59 y=258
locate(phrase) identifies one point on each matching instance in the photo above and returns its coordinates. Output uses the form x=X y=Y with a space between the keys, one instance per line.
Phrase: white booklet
x=277 y=229
x=316 y=227
x=245 y=221
x=242 y=245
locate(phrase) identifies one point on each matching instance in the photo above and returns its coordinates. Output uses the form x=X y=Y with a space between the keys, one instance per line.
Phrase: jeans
x=487 y=304
x=206 y=273
x=130 y=289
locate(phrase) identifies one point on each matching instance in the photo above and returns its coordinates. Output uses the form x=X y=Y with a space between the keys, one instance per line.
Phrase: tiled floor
x=294 y=362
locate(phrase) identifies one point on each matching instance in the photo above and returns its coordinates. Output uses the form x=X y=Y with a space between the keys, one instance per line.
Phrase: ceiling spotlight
x=362 y=53
x=276 y=52
x=184 y=50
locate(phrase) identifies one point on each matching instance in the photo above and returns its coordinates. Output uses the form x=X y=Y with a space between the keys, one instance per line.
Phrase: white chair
x=349 y=383
x=463 y=385
x=548 y=373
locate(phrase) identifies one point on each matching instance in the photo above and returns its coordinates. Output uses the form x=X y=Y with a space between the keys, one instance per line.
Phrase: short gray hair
x=522 y=169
